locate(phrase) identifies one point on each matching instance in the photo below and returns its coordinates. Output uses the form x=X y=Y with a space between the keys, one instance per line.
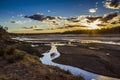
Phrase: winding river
x=48 y=57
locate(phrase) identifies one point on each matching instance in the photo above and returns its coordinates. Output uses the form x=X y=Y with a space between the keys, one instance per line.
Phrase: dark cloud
x=49 y=18
x=93 y=18
x=60 y=18
x=36 y=17
x=112 y=4
x=110 y=16
x=40 y=17
x=12 y=21
x=73 y=19
x=88 y=18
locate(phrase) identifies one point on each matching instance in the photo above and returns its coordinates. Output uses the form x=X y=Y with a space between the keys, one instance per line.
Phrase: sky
x=14 y=10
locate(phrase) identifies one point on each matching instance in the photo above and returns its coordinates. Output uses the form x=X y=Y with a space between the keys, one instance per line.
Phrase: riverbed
x=47 y=59
x=82 y=55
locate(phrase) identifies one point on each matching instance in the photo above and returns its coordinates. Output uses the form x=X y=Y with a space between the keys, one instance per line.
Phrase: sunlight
x=94 y=25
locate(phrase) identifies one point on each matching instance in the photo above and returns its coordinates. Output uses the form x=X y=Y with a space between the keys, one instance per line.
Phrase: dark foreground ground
x=102 y=59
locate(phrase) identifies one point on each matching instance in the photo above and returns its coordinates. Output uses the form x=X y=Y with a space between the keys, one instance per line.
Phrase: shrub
x=10 y=54
x=14 y=58
x=11 y=51
x=3 y=51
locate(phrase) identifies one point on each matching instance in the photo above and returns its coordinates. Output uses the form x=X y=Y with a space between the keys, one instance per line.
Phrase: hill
x=16 y=64
x=113 y=30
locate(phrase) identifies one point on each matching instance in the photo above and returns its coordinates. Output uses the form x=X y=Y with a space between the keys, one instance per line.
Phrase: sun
x=91 y=25
x=94 y=25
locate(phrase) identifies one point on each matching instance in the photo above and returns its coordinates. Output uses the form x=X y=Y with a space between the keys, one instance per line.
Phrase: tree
x=6 y=28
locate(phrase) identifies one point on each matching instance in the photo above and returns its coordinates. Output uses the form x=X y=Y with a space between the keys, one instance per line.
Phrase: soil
x=102 y=59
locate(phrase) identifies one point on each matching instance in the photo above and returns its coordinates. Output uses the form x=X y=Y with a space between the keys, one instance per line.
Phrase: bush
x=15 y=57
x=11 y=51
x=3 y=51
x=10 y=54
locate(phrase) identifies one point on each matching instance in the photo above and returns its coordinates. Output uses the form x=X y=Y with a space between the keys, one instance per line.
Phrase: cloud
x=16 y=22
x=88 y=18
x=49 y=10
x=110 y=16
x=115 y=20
x=73 y=21
x=21 y=15
x=112 y=4
x=96 y=4
x=35 y=27
x=93 y=10
x=40 y=17
x=48 y=20
x=13 y=16
x=84 y=18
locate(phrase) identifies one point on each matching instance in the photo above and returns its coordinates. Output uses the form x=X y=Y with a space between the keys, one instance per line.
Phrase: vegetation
x=3 y=34
x=10 y=54
x=113 y=30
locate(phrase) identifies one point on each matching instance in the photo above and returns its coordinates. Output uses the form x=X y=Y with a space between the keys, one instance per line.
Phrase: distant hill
x=113 y=30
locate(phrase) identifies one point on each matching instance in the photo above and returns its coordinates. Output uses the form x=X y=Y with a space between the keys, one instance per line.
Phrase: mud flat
x=53 y=53
x=99 y=58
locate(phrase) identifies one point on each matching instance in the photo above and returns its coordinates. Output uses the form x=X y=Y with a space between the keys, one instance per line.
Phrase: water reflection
x=69 y=42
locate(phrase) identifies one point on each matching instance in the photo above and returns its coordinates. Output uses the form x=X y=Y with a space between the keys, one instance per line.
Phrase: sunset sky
x=12 y=12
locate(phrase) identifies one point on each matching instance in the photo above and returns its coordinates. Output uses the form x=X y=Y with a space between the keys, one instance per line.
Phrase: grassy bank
x=16 y=63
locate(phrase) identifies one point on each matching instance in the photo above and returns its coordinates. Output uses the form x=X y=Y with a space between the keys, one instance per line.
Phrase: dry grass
x=30 y=68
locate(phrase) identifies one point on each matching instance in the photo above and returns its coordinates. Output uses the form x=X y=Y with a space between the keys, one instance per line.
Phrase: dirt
x=102 y=59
